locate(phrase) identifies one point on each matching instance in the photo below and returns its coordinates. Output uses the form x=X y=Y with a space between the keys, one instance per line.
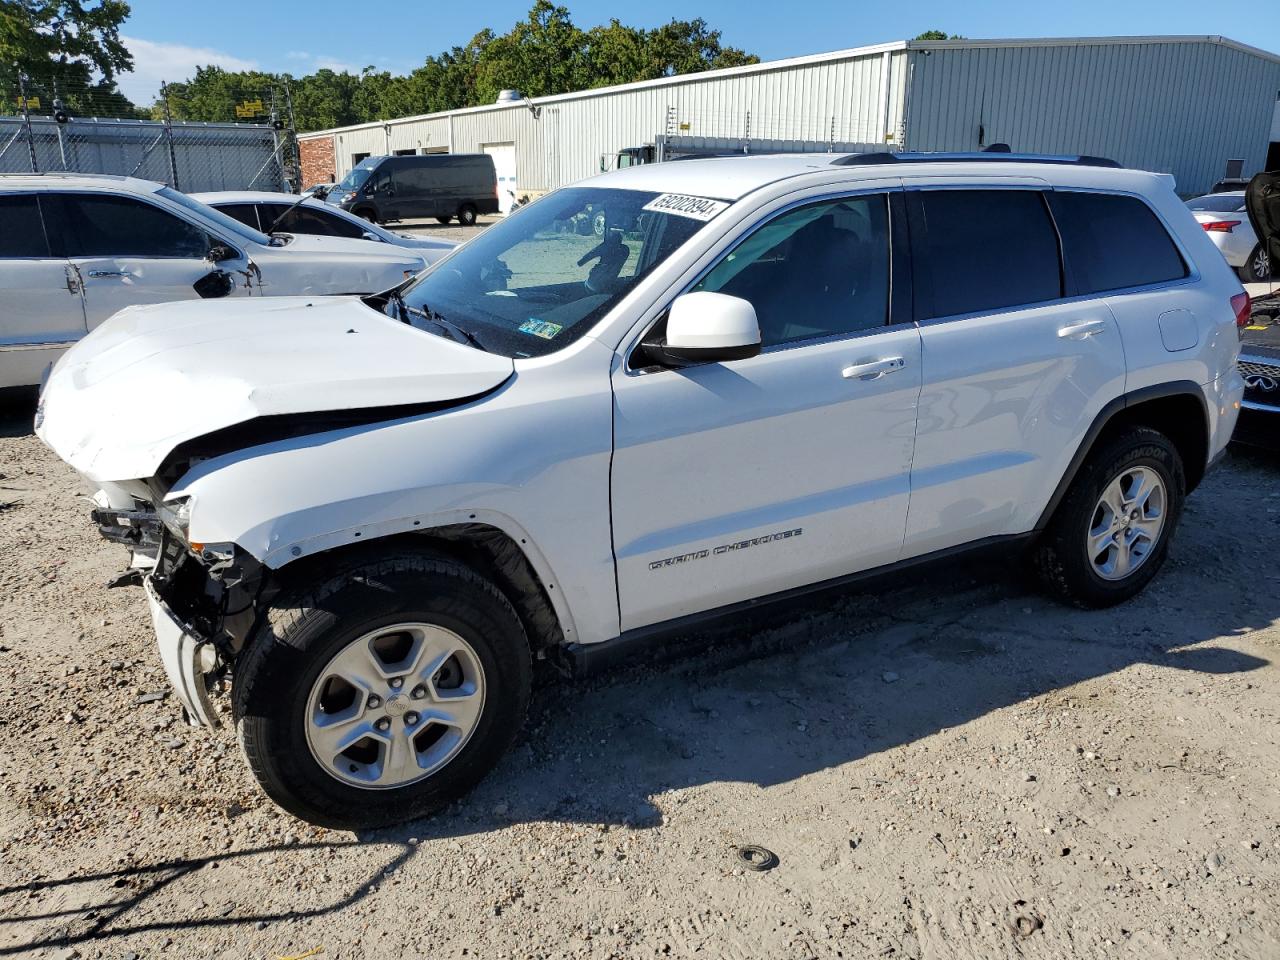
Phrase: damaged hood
x=155 y=376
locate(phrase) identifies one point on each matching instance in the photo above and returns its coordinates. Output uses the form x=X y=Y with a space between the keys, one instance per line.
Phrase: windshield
x=1219 y=203
x=227 y=223
x=354 y=180
x=538 y=280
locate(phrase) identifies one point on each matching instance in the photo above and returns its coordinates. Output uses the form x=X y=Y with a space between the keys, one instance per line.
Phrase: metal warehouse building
x=1180 y=105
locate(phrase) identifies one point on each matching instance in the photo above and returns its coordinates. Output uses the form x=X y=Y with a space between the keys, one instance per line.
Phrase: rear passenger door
x=1014 y=369
x=41 y=310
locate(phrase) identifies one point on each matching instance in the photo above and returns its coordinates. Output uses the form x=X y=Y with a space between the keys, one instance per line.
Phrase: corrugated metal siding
x=1180 y=108
x=838 y=99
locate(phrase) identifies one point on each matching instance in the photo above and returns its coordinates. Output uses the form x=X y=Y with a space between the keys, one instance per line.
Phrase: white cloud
x=155 y=62
x=334 y=64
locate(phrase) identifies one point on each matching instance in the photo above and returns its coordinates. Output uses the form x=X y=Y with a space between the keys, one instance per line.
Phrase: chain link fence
x=43 y=129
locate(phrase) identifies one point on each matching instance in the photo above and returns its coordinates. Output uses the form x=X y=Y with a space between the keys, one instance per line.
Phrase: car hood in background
x=310 y=264
x=153 y=377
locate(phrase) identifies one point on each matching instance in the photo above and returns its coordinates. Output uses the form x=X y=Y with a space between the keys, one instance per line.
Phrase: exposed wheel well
x=485 y=549
x=1180 y=417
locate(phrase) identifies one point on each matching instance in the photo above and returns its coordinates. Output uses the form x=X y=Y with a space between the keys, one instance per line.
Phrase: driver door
x=732 y=481
x=127 y=251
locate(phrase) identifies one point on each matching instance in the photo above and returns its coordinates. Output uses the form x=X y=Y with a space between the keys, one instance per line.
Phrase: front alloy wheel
x=380 y=688
x=395 y=705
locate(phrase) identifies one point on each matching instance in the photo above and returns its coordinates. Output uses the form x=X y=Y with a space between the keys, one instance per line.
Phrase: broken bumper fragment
x=188 y=660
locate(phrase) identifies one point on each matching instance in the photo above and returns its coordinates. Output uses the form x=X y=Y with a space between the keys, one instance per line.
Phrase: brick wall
x=318 y=163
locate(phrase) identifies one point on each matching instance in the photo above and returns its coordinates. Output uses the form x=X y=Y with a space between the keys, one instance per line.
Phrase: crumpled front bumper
x=188 y=660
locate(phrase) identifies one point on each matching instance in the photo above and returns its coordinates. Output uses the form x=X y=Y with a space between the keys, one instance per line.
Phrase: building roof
x=816 y=58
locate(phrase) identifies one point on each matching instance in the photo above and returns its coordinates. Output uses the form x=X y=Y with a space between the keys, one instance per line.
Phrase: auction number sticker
x=699 y=208
x=540 y=328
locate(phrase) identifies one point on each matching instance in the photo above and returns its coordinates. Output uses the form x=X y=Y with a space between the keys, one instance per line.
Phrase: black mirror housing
x=219 y=253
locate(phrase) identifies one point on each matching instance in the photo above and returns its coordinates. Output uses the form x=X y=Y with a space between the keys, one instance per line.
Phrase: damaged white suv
x=367 y=517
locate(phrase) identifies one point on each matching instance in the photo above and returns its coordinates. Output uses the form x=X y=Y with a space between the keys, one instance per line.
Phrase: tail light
x=1241 y=306
x=1220 y=226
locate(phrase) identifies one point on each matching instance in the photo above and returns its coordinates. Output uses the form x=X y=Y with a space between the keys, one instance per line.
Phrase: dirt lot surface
x=951 y=767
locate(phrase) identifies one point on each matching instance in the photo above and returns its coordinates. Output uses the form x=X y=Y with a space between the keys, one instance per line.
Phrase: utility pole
x=26 y=120
x=168 y=135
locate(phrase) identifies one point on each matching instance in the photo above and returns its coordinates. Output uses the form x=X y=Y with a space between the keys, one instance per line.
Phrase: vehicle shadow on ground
x=90 y=916
x=819 y=684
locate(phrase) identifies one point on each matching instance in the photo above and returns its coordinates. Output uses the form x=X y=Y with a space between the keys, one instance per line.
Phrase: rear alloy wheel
x=467 y=215
x=1257 y=269
x=390 y=689
x=1111 y=533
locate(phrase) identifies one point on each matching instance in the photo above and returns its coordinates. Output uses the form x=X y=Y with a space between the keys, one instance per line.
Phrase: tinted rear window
x=989 y=249
x=23 y=233
x=1111 y=242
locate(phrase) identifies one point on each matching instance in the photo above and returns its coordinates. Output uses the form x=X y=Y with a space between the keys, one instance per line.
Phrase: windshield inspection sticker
x=540 y=328
x=699 y=208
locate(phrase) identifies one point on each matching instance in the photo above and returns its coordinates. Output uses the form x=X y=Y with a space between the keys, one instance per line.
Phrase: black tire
x=467 y=215
x=366 y=214
x=304 y=629
x=1062 y=555
x=443 y=219
x=1257 y=269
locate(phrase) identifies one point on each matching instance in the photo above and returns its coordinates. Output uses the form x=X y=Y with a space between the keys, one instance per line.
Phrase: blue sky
x=169 y=37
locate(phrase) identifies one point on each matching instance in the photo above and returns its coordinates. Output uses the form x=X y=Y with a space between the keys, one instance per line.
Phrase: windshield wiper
x=454 y=331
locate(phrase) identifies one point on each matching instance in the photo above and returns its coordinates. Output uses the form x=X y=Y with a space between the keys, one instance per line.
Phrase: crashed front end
x=202 y=596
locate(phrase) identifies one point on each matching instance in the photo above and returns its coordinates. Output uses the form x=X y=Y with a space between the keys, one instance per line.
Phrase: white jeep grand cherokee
x=768 y=375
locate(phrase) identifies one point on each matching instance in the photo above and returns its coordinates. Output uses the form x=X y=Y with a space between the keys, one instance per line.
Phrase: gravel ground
x=950 y=767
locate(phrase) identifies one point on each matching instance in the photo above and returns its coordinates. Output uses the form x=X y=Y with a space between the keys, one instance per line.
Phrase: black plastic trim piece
x=586 y=658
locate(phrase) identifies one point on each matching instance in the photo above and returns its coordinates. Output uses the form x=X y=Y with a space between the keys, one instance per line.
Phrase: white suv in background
x=767 y=375
x=76 y=248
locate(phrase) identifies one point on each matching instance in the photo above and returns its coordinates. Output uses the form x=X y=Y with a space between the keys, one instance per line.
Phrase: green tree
x=937 y=35
x=65 y=48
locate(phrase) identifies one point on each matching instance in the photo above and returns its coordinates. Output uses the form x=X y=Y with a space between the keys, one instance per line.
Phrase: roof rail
x=873 y=159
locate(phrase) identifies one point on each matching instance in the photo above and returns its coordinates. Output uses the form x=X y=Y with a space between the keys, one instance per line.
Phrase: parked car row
x=761 y=376
x=75 y=249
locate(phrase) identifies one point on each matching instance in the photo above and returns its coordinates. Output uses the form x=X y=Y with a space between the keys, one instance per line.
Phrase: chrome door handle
x=98 y=274
x=873 y=369
x=1082 y=329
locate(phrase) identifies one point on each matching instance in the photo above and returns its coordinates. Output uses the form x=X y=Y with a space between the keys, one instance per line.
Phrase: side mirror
x=371 y=236
x=707 y=327
x=220 y=253
x=213 y=285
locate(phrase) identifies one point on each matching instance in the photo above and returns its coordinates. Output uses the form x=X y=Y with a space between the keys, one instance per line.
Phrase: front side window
x=109 y=226
x=1111 y=242
x=23 y=233
x=538 y=280
x=988 y=250
x=817 y=271
x=246 y=213
x=307 y=219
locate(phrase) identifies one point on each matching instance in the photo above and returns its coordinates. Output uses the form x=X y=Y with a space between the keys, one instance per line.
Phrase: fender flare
x=1159 y=391
x=279 y=557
